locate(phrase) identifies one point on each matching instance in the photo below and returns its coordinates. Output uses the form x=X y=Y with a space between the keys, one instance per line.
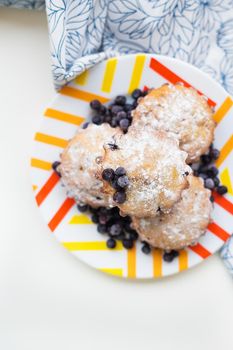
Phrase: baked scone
x=155 y=167
x=184 y=225
x=181 y=111
x=80 y=163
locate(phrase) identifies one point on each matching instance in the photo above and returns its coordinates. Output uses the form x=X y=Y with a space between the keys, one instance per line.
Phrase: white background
x=48 y=299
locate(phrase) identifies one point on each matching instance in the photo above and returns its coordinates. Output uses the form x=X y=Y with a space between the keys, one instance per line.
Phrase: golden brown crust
x=80 y=164
x=181 y=111
x=184 y=225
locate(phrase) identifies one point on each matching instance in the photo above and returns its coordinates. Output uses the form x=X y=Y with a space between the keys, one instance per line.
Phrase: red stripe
x=47 y=188
x=218 y=231
x=172 y=77
x=223 y=202
x=200 y=250
x=61 y=213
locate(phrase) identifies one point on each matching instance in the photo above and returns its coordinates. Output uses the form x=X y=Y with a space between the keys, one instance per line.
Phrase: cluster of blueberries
x=117 y=113
x=208 y=172
x=119 y=181
x=109 y=221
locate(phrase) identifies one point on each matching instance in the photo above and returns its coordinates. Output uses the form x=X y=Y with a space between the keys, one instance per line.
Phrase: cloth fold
x=85 y=32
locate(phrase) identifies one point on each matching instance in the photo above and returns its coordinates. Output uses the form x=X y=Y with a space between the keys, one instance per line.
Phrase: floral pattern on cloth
x=27 y=4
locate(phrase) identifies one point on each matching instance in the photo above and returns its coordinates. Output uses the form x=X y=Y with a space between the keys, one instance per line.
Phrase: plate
x=59 y=123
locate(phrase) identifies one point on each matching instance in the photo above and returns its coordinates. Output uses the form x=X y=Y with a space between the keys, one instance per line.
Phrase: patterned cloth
x=28 y=4
x=85 y=32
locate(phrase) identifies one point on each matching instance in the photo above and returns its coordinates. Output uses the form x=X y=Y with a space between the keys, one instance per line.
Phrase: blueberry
x=107 y=119
x=115 y=230
x=85 y=125
x=96 y=105
x=120 y=171
x=195 y=166
x=114 y=122
x=123 y=181
x=124 y=124
x=55 y=166
x=206 y=159
x=222 y=190
x=103 y=110
x=115 y=185
x=216 y=181
x=95 y=218
x=128 y=107
x=214 y=153
x=120 y=100
x=116 y=109
x=121 y=115
x=212 y=172
x=209 y=183
x=145 y=92
x=108 y=174
x=133 y=235
x=146 y=249
x=127 y=243
x=136 y=94
x=119 y=197
x=97 y=120
x=212 y=199
x=169 y=257
x=82 y=208
x=134 y=104
x=103 y=219
x=203 y=176
x=101 y=228
x=111 y=243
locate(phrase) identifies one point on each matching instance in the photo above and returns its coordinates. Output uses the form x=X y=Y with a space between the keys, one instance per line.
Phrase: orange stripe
x=183 y=260
x=81 y=95
x=51 y=140
x=131 y=262
x=223 y=109
x=223 y=202
x=200 y=250
x=218 y=231
x=41 y=164
x=60 y=214
x=47 y=188
x=225 y=151
x=64 y=117
x=157 y=262
x=171 y=76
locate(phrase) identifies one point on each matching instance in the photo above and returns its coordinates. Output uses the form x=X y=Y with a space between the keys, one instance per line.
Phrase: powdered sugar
x=180 y=111
x=156 y=169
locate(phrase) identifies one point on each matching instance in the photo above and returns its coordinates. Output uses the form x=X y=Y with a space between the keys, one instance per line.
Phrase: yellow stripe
x=99 y=245
x=131 y=262
x=115 y=272
x=223 y=109
x=137 y=72
x=157 y=263
x=225 y=151
x=226 y=180
x=109 y=75
x=34 y=187
x=81 y=95
x=64 y=117
x=183 y=260
x=82 y=78
x=80 y=219
x=41 y=164
x=51 y=140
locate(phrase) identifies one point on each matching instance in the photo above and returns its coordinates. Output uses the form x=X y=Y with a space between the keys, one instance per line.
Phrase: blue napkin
x=85 y=32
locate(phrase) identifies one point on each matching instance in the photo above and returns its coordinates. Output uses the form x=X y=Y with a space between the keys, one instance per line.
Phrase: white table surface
x=50 y=300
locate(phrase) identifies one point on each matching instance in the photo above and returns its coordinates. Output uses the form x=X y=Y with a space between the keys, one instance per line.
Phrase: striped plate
x=60 y=120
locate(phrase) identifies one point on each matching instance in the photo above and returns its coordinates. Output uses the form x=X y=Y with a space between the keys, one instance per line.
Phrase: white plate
x=70 y=107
